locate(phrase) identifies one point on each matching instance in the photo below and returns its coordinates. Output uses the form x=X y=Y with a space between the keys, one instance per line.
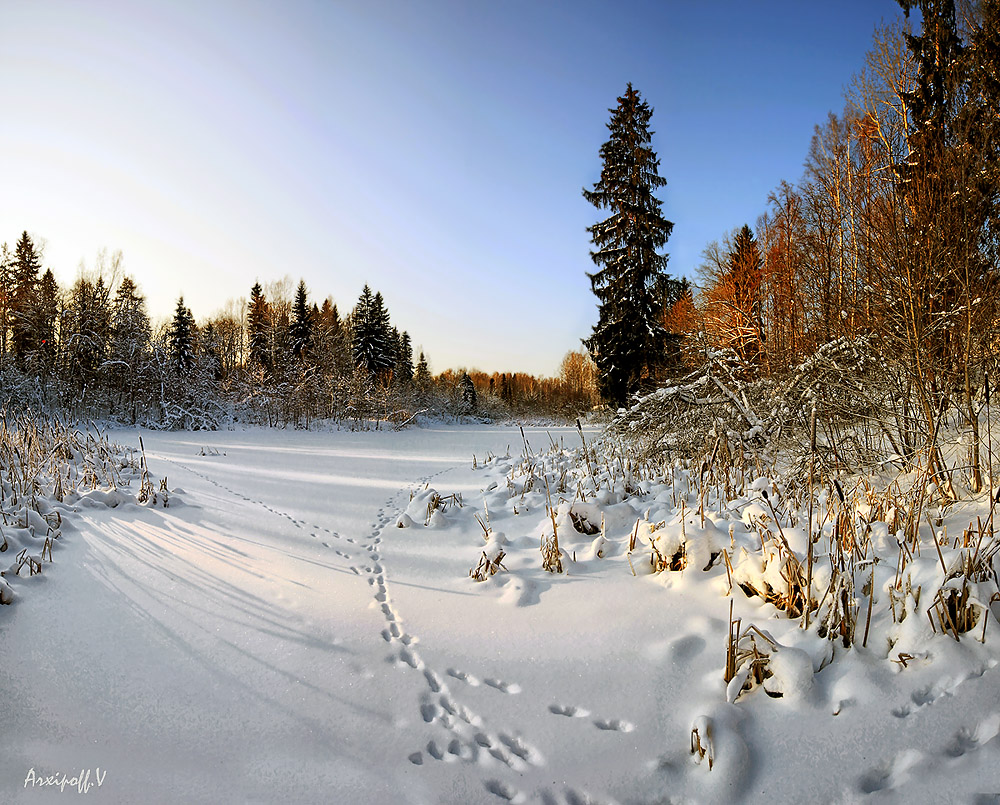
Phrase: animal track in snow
x=261 y=503
x=888 y=775
x=506 y=792
x=433 y=681
x=429 y=711
x=503 y=687
x=521 y=749
x=568 y=710
x=468 y=679
x=465 y=739
x=614 y=725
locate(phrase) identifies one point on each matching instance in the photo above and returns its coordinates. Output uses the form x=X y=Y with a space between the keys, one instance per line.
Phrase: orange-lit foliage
x=733 y=310
x=684 y=320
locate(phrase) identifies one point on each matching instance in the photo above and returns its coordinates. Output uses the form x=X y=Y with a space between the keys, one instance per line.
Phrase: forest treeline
x=890 y=240
x=90 y=351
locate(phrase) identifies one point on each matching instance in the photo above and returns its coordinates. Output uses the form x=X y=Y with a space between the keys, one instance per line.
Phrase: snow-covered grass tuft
x=890 y=563
x=47 y=468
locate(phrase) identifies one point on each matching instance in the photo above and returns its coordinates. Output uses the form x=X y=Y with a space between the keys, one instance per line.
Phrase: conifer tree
x=24 y=308
x=362 y=336
x=404 y=360
x=86 y=330
x=385 y=341
x=468 y=391
x=257 y=326
x=330 y=342
x=208 y=342
x=373 y=349
x=340 y=358
x=301 y=330
x=745 y=266
x=129 y=350
x=181 y=338
x=628 y=341
x=422 y=376
x=47 y=316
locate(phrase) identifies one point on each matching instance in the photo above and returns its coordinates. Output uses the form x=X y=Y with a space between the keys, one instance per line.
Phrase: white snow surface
x=296 y=627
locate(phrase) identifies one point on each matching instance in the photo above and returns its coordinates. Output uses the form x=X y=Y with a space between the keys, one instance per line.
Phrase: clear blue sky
x=435 y=150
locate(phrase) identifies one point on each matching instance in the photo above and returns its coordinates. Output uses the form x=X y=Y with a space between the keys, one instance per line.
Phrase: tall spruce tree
x=979 y=125
x=422 y=377
x=628 y=341
x=468 y=391
x=301 y=330
x=257 y=325
x=24 y=300
x=129 y=350
x=182 y=339
x=47 y=316
x=85 y=331
x=404 y=359
x=362 y=337
x=385 y=341
x=374 y=350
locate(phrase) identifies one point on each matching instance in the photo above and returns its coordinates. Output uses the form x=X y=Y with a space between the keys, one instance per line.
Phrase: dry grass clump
x=748 y=653
x=43 y=462
x=702 y=743
x=441 y=503
x=551 y=555
x=487 y=567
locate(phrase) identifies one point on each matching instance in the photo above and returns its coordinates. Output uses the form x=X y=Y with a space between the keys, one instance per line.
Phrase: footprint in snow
x=889 y=774
x=965 y=741
x=468 y=679
x=574 y=797
x=410 y=658
x=463 y=751
x=429 y=711
x=433 y=681
x=568 y=710
x=505 y=792
x=614 y=725
x=503 y=687
x=521 y=749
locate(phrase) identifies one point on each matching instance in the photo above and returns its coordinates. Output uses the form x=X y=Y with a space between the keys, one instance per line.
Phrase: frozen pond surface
x=273 y=637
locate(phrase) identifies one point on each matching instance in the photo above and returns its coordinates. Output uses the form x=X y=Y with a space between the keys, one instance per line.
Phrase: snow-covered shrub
x=46 y=466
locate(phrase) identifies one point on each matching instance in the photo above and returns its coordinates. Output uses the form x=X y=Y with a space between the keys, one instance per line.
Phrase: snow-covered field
x=273 y=636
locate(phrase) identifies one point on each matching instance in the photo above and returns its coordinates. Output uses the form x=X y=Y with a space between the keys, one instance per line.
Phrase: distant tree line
x=278 y=358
